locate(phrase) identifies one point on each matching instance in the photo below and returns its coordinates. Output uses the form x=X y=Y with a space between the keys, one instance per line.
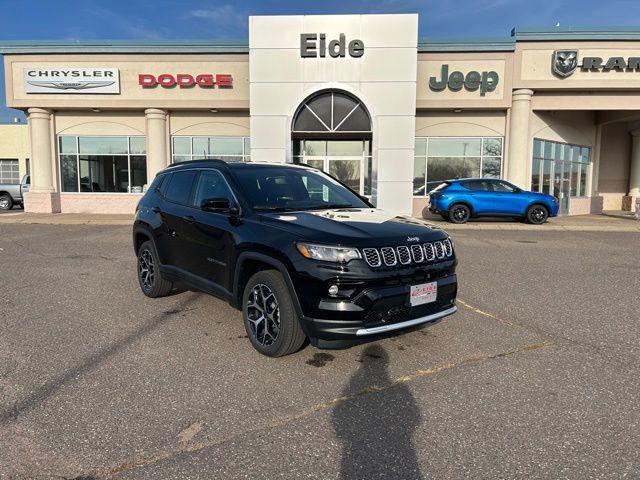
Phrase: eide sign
x=314 y=45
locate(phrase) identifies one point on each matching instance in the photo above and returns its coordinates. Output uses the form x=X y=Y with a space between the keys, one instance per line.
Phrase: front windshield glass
x=285 y=188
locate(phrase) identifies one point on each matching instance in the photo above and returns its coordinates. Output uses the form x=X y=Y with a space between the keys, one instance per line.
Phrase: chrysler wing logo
x=564 y=62
x=70 y=85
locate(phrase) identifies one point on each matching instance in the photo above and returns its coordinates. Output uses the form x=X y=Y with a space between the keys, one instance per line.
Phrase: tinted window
x=502 y=187
x=480 y=185
x=289 y=188
x=179 y=187
x=211 y=184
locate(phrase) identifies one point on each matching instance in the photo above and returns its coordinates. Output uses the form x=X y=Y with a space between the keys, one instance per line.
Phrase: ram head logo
x=564 y=62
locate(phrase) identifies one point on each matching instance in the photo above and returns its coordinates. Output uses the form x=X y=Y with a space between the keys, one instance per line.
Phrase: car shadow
x=376 y=426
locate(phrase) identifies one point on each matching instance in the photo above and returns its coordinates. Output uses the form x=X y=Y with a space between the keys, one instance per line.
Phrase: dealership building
x=359 y=96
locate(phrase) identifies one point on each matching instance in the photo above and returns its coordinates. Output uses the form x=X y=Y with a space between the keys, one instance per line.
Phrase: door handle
x=188 y=218
x=155 y=209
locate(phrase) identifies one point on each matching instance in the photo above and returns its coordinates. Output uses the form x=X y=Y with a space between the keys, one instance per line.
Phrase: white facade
x=383 y=78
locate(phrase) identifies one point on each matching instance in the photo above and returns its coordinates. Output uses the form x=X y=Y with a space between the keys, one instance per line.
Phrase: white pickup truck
x=11 y=193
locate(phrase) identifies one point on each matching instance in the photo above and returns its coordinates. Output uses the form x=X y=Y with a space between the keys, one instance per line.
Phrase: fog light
x=333 y=290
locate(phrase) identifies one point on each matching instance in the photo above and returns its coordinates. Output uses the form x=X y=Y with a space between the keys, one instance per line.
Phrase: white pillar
x=519 y=137
x=634 y=171
x=42 y=196
x=157 y=158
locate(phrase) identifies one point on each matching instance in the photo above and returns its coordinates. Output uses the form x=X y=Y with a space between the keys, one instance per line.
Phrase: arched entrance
x=332 y=131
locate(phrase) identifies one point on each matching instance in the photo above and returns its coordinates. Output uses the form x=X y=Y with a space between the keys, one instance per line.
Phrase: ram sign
x=88 y=80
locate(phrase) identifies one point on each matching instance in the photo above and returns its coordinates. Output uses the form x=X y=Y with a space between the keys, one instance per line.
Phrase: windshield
x=440 y=187
x=285 y=188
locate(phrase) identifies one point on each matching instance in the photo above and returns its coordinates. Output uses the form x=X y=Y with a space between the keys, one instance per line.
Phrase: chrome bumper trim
x=408 y=323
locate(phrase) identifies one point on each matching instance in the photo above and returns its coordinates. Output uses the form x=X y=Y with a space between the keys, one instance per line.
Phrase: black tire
x=6 y=202
x=537 y=214
x=152 y=284
x=262 y=289
x=459 y=213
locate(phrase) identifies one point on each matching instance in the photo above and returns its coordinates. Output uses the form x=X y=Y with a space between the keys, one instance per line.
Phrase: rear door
x=175 y=206
x=209 y=237
x=481 y=195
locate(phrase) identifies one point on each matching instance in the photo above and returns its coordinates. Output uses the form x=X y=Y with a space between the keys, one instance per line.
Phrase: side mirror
x=517 y=190
x=216 y=205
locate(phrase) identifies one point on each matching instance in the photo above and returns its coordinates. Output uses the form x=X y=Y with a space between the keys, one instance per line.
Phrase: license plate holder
x=423 y=293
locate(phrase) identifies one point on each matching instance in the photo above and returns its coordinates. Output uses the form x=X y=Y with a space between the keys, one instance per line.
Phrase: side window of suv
x=500 y=186
x=477 y=185
x=178 y=188
x=211 y=184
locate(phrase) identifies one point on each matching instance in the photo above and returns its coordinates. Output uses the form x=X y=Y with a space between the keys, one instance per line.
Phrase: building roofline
x=470 y=44
x=537 y=34
x=124 y=46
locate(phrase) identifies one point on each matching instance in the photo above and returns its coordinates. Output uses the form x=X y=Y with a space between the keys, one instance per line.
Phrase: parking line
x=504 y=321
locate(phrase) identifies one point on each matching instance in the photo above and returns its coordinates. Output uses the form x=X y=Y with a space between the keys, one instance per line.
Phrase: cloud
x=222 y=20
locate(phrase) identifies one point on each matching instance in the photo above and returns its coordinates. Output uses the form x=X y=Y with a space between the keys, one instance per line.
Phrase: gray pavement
x=535 y=377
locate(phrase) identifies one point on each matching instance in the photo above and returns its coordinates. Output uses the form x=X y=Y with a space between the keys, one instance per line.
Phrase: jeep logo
x=472 y=81
x=413 y=239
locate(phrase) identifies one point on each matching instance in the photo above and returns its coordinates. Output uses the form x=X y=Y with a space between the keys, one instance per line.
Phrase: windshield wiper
x=329 y=206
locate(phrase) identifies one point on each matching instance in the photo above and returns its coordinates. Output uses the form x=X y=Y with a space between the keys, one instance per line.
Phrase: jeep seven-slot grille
x=405 y=255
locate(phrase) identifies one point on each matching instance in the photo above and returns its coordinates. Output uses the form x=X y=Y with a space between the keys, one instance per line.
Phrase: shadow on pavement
x=41 y=394
x=376 y=430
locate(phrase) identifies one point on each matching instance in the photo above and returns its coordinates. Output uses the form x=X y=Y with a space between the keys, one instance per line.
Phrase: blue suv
x=460 y=200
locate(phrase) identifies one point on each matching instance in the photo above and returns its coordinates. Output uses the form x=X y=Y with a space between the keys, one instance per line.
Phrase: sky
x=202 y=19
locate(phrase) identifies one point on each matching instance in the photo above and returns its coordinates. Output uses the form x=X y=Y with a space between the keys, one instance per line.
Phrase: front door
x=209 y=235
x=562 y=185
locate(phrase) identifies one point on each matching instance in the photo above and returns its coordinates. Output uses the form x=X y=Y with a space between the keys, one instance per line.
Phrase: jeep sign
x=472 y=81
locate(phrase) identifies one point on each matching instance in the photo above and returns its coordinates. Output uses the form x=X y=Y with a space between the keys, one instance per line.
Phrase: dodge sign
x=88 y=80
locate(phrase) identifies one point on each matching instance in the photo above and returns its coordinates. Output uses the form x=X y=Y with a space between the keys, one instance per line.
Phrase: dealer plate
x=423 y=293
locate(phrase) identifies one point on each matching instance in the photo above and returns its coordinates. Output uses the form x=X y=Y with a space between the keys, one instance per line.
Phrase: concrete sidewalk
x=582 y=223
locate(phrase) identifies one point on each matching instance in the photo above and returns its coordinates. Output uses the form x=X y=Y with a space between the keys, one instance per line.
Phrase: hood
x=355 y=227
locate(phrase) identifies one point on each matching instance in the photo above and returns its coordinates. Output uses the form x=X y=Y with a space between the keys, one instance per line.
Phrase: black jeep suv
x=297 y=251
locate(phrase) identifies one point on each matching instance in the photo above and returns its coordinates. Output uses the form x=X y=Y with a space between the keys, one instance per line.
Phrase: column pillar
x=634 y=172
x=519 y=137
x=157 y=158
x=42 y=196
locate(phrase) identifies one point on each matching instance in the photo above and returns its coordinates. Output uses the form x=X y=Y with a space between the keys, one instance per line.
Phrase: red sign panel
x=169 y=80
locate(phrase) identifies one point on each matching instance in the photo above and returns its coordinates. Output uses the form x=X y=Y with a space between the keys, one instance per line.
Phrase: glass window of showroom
x=560 y=169
x=443 y=158
x=229 y=149
x=111 y=164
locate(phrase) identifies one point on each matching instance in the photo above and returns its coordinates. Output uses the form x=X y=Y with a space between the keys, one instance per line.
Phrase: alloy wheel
x=263 y=314
x=146 y=270
x=4 y=203
x=538 y=214
x=459 y=213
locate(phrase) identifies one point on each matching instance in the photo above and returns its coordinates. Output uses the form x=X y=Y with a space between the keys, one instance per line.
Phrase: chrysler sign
x=72 y=80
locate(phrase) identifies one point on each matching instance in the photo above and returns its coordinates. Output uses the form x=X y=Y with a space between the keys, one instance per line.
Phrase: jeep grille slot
x=372 y=257
x=389 y=256
x=448 y=248
x=404 y=255
x=429 y=252
x=417 y=253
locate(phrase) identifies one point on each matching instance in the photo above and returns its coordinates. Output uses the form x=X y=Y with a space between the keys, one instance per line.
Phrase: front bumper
x=378 y=310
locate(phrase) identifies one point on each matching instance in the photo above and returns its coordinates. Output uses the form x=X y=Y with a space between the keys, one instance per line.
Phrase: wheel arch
x=140 y=235
x=249 y=263
x=466 y=203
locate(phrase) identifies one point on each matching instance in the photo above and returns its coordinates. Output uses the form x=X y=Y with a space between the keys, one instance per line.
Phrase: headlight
x=327 y=253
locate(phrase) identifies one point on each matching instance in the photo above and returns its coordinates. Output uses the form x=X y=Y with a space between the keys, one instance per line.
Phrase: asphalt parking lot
x=537 y=375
